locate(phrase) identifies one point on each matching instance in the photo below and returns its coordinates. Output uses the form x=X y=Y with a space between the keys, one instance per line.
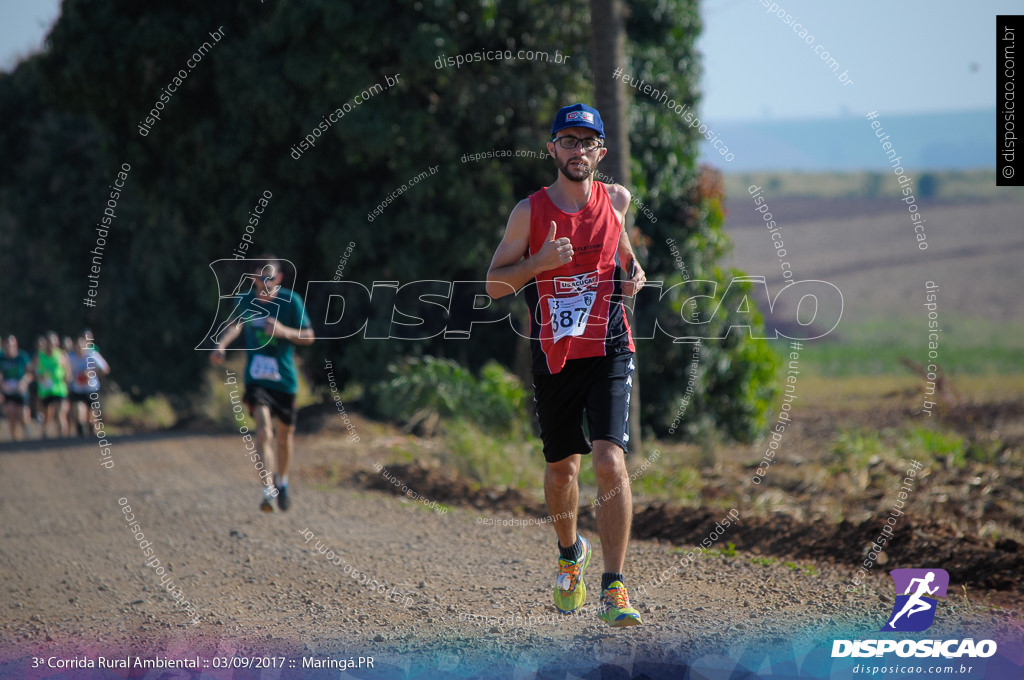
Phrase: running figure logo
x=246 y=306
x=914 y=611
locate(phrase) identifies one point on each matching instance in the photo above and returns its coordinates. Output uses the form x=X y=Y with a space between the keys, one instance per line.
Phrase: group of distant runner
x=52 y=387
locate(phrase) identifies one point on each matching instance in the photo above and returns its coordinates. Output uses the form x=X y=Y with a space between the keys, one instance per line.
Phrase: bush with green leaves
x=423 y=392
x=737 y=375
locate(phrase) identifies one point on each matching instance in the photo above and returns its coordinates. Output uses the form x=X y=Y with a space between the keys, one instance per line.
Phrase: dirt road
x=350 y=572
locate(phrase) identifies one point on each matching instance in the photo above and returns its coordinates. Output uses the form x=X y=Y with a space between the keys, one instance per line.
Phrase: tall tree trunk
x=607 y=53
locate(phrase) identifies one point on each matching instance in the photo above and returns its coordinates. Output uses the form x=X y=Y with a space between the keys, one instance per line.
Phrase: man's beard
x=576 y=174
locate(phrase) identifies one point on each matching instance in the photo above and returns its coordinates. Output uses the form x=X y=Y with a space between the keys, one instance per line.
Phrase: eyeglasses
x=588 y=144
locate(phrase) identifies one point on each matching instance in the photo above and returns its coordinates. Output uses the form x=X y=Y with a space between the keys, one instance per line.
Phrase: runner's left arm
x=297 y=336
x=292 y=335
x=101 y=363
x=619 y=197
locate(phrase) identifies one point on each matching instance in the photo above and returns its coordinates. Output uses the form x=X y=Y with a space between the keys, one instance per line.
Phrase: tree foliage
x=227 y=134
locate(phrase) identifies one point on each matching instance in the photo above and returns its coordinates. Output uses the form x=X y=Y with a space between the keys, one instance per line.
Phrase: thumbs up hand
x=555 y=251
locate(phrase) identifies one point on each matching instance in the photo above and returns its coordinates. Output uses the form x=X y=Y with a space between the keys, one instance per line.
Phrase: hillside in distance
x=958 y=140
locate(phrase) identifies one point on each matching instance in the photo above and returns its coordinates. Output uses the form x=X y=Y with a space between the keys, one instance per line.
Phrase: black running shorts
x=282 y=404
x=597 y=387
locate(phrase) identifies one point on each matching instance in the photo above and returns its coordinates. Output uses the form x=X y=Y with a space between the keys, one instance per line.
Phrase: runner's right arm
x=217 y=356
x=509 y=271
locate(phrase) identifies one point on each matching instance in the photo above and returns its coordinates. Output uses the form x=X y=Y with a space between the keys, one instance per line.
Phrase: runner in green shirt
x=269 y=319
x=52 y=372
x=15 y=372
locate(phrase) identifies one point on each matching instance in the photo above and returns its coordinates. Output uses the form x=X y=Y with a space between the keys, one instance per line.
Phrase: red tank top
x=577 y=309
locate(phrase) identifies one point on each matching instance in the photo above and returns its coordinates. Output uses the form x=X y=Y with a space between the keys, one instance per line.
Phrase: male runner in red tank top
x=568 y=246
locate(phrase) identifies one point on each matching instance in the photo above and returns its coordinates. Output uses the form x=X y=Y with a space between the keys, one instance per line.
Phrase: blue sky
x=23 y=25
x=916 y=56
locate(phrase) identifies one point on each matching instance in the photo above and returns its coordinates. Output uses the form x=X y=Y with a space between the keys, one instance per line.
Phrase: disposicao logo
x=913 y=612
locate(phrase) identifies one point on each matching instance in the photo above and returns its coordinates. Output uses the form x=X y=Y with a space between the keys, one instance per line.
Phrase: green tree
x=737 y=374
x=228 y=132
x=51 y=195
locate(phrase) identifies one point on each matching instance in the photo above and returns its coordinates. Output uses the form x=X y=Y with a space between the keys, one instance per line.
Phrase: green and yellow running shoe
x=615 y=608
x=570 y=590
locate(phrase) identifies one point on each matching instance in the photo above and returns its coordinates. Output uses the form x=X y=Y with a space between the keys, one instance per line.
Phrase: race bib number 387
x=569 y=314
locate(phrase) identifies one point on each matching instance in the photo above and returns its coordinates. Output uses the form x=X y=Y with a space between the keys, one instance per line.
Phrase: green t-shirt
x=51 y=376
x=271 y=364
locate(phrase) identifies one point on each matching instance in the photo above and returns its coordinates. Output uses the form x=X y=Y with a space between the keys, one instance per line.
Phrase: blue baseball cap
x=578 y=115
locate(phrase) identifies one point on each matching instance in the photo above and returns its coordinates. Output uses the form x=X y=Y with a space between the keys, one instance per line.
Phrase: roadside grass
x=860 y=393
x=822 y=476
x=153 y=413
x=876 y=347
x=492 y=460
x=824 y=470
x=884 y=358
